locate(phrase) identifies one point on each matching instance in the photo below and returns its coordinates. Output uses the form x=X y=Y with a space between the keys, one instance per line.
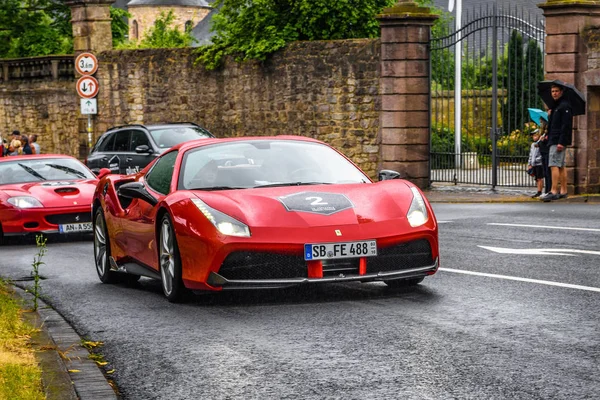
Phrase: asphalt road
x=513 y=313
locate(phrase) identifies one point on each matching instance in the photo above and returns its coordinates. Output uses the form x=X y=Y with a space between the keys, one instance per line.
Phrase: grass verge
x=20 y=376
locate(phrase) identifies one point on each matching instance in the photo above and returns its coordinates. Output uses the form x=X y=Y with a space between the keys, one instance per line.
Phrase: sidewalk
x=450 y=193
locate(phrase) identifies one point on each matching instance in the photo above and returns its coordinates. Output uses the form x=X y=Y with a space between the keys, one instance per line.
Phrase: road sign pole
x=89 y=129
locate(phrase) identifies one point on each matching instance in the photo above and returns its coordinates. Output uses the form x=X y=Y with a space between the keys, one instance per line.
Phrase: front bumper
x=219 y=281
x=43 y=220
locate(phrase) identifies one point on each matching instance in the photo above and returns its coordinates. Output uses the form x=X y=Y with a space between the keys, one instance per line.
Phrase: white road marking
x=540 y=252
x=515 y=278
x=548 y=227
x=444 y=222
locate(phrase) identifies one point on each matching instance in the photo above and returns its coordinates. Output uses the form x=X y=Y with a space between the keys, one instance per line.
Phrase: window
x=122 y=141
x=134 y=30
x=188 y=26
x=160 y=176
x=106 y=143
x=139 y=138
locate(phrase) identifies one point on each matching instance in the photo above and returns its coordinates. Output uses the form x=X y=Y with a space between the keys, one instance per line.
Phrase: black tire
x=102 y=249
x=403 y=283
x=170 y=262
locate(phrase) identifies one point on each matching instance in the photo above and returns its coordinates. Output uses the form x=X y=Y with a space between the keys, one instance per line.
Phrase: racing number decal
x=316 y=202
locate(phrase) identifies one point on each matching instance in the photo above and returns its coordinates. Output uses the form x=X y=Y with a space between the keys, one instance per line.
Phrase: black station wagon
x=127 y=149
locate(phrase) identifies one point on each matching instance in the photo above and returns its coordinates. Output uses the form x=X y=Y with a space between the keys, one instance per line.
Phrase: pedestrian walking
x=560 y=135
x=535 y=167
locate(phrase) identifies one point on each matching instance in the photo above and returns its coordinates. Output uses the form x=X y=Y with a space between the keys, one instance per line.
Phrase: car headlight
x=417 y=213
x=25 y=202
x=223 y=222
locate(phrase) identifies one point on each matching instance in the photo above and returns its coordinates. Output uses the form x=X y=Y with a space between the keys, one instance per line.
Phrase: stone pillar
x=405 y=90
x=567 y=22
x=91 y=25
x=91 y=33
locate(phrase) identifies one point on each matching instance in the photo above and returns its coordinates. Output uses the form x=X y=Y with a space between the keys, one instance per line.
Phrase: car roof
x=161 y=125
x=206 y=142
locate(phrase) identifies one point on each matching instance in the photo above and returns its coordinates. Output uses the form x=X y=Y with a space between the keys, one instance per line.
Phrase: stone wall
x=325 y=90
x=38 y=96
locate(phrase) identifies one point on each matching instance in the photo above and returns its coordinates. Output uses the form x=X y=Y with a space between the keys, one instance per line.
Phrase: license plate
x=82 y=227
x=329 y=251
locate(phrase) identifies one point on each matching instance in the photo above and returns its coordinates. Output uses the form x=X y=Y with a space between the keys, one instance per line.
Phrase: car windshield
x=42 y=169
x=167 y=137
x=265 y=163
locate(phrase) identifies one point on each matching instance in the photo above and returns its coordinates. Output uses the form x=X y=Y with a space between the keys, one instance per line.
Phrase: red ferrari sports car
x=260 y=212
x=45 y=194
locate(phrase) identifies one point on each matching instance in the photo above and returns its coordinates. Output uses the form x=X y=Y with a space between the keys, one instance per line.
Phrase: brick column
x=405 y=90
x=567 y=22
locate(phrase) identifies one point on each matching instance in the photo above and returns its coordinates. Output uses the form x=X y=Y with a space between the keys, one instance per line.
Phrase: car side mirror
x=103 y=172
x=143 y=148
x=136 y=190
x=387 y=174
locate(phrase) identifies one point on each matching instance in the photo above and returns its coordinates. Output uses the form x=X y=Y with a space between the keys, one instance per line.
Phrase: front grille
x=344 y=266
x=70 y=218
x=401 y=256
x=246 y=265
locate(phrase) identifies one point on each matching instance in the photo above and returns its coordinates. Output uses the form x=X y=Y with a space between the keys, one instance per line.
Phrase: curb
x=55 y=338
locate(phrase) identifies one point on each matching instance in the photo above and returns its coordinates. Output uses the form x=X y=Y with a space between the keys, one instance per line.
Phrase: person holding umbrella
x=563 y=98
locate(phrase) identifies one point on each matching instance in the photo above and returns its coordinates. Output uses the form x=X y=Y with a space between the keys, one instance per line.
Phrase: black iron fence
x=501 y=60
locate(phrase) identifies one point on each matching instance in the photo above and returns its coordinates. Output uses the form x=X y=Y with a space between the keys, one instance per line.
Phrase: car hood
x=319 y=205
x=55 y=193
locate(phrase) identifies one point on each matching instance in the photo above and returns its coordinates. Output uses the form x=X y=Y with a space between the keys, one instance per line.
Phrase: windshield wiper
x=67 y=169
x=281 y=184
x=218 y=188
x=32 y=171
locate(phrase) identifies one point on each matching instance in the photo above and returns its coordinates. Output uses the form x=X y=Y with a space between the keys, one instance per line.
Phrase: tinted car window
x=166 y=137
x=139 y=138
x=160 y=176
x=122 y=141
x=106 y=143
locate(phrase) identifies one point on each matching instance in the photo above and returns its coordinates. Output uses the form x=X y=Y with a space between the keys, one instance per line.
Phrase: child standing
x=535 y=163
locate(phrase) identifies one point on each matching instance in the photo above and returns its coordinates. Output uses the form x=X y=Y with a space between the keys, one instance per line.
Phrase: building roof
x=190 y=3
x=201 y=32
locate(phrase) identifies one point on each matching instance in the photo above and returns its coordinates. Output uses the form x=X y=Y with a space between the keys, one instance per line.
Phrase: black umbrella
x=570 y=92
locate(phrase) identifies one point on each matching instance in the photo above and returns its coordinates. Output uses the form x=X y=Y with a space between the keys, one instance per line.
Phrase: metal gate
x=501 y=61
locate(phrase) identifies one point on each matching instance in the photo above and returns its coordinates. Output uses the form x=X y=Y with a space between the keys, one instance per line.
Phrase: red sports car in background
x=261 y=212
x=45 y=194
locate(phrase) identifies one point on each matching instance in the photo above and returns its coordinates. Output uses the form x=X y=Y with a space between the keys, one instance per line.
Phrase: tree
x=255 y=29
x=119 y=25
x=534 y=64
x=162 y=35
x=34 y=28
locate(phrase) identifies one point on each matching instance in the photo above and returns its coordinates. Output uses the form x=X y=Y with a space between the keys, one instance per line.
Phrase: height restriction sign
x=87 y=87
x=86 y=64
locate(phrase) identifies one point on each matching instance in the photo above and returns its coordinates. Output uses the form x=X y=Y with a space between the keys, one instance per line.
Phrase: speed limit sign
x=87 y=87
x=86 y=64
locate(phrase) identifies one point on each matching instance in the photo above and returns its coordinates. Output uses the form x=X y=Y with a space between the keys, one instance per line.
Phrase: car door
x=138 y=224
x=117 y=160
x=136 y=161
x=101 y=153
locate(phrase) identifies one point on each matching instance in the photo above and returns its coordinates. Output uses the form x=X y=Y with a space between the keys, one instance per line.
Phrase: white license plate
x=329 y=251
x=82 y=227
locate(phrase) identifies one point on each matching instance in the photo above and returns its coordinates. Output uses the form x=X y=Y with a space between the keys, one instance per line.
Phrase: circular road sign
x=86 y=64
x=87 y=87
